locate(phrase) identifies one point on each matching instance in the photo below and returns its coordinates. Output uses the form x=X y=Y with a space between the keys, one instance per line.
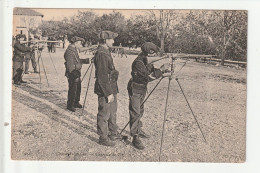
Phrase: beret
x=76 y=38
x=107 y=35
x=148 y=46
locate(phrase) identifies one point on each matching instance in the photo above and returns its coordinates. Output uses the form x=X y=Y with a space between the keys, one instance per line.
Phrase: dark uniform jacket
x=140 y=75
x=106 y=74
x=72 y=60
x=19 y=51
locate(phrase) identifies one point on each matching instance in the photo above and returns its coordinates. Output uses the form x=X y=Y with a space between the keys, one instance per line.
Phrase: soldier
x=49 y=45
x=73 y=65
x=106 y=88
x=30 y=56
x=142 y=73
x=18 y=59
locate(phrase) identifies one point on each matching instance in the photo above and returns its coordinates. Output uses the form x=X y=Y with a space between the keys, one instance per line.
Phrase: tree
x=163 y=21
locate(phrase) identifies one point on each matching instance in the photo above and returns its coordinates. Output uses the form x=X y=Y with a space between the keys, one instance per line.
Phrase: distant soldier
x=73 y=65
x=53 y=45
x=30 y=56
x=142 y=73
x=49 y=45
x=106 y=88
x=18 y=58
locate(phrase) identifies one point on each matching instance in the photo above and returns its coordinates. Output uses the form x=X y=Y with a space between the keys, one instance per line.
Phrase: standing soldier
x=73 y=65
x=30 y=56
x=18 y=59
x=142 y=73
x=106 y=88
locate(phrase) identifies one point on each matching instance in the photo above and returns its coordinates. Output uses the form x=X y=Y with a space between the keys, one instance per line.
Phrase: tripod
x=90 y=66
x=166 y=104
x=39 y=55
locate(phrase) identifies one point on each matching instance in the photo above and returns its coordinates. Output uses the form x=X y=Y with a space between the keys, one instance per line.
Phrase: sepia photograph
x=129 y=85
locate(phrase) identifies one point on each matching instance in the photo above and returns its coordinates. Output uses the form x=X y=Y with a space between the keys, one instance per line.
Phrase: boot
x=77 y=105
x=114 y=137
x=137 y=143
x=142 y=134
x=106 y=142
x=35 y=71
x=71 y=108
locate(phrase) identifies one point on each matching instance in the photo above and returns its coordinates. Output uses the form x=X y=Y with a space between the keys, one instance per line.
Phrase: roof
x=26 y=12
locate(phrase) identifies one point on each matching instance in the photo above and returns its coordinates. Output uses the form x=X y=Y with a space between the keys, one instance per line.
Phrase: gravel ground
x=42 y=128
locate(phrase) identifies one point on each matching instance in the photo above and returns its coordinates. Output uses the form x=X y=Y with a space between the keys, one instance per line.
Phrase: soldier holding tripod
x=30 y=56
x=18 y=58
x=142 y=73
x=73 y=65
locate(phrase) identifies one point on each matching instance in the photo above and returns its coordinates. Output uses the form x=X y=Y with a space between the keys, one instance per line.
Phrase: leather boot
x=137 y=143
x=106 y=142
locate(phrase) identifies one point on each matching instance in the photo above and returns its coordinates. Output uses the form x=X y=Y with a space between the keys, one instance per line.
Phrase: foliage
x=223 y=33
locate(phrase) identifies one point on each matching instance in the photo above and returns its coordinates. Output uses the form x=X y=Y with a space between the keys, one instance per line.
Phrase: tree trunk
x=223 y=54
x=162 y=46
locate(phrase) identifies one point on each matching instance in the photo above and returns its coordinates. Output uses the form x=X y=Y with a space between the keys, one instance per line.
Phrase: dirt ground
x=42 y=128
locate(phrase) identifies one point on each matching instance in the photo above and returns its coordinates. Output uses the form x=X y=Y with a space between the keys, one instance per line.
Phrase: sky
x=59 y=14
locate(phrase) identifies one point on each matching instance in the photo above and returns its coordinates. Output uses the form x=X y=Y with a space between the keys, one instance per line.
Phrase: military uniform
x=18 y=59
x=30 y=56
x=73 y=66
x=137 y=88
x=105 y=85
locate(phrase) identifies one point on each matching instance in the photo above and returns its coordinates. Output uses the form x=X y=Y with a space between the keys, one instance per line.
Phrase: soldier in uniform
x=106 y=88
x=30 y=56
x=73 y=65
x=18 y=58
x=142 y=73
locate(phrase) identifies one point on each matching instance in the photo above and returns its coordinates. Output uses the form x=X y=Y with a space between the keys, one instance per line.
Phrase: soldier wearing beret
x=18 y=59
x=106 y=88
x=142 y=73
x=73 y=65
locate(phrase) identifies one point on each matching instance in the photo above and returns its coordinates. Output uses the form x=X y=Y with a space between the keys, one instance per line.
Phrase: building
x=25 y=20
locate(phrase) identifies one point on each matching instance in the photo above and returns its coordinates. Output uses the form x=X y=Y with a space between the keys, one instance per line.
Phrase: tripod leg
x=87 y=89
x=144 y=102
x=45 y=72
x=164 y=119
x=86 y=72
x=53 y=63
x=39 y=66
x=191 y=109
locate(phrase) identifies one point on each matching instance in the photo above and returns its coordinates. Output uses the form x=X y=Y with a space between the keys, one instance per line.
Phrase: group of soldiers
x=22 y=53
x=106 y=87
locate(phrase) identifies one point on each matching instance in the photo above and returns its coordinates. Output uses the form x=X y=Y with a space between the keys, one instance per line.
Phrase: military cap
x=20 y=36
x=107 y=35
x=76 y=38
x=148 y=46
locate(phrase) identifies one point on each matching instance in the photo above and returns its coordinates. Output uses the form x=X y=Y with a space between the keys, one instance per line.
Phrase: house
x=25 y=20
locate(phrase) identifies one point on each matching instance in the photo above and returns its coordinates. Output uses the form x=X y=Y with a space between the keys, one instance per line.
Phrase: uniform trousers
x=30 y=56
x=136 y=111
x=106 y=117
x=17 y=70
x=74 y=91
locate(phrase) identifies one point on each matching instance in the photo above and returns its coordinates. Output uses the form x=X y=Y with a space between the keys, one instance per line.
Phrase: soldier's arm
x=22 y=48
x=101 y=63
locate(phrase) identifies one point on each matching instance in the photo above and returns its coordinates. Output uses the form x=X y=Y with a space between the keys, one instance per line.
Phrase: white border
x=253 y=131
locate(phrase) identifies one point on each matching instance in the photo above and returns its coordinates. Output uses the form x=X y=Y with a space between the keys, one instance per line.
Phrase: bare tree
x=163 y=20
